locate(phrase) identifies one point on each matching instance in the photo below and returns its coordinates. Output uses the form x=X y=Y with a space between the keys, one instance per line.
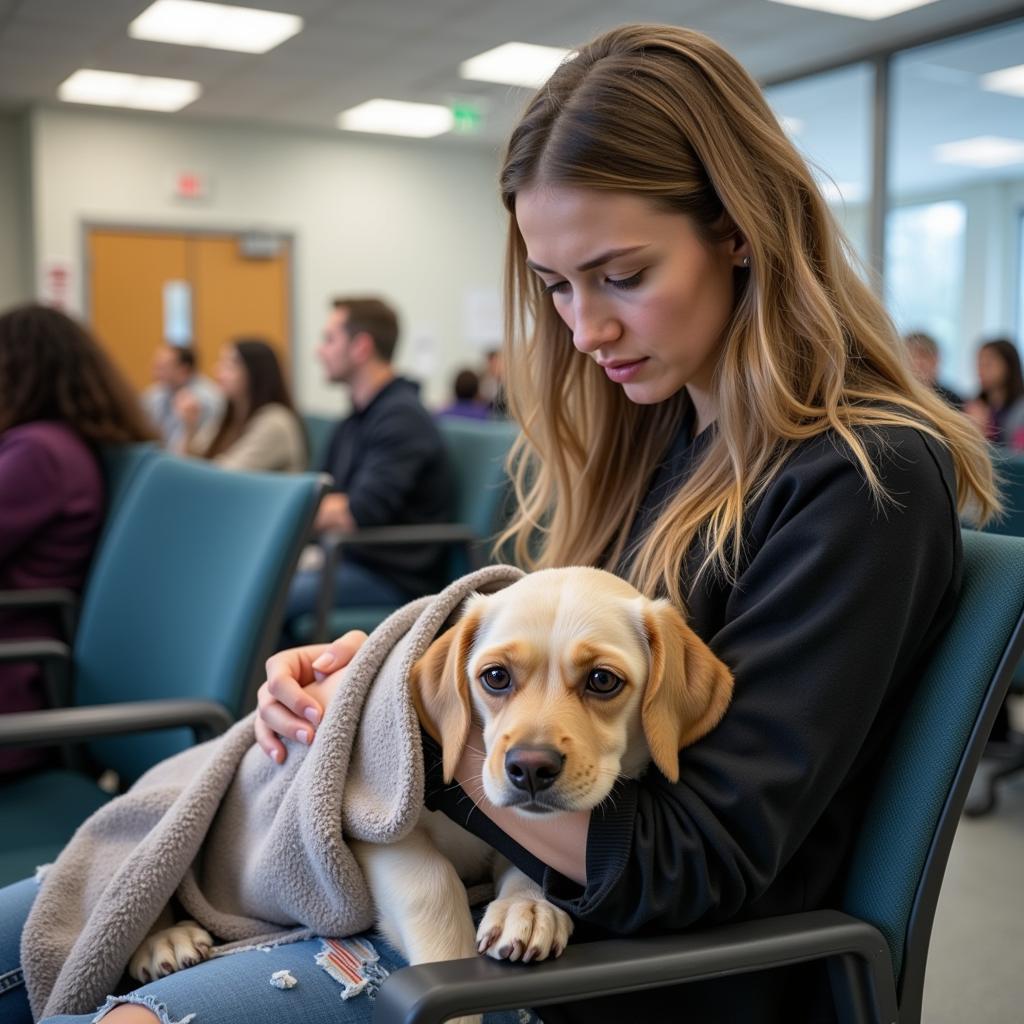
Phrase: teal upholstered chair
x=181 y=605
x=477 y=451
x=319 y=430
x=121 y=466
x=877 y=940
x=1003 y=759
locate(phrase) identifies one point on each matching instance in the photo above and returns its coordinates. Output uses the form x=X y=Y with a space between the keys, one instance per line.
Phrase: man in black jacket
x=388 y=463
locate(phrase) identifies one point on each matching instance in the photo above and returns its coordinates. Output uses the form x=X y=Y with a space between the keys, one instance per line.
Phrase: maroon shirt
x=51 y=511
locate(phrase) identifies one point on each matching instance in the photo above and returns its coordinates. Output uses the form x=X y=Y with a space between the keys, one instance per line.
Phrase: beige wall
x=417 y=222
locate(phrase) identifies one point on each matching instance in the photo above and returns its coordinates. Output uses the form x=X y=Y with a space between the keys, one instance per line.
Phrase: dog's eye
x=604 y=683
x=496 y=679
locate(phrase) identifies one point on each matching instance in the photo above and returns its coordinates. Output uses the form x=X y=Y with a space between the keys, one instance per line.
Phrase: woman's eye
x=558 y=288
x=496 y=679
x=604 y=683
x=626 y=283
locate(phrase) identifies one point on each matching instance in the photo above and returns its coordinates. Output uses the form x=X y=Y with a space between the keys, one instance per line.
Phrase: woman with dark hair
x=999 y=408
x=60 y=398
x=260 y=429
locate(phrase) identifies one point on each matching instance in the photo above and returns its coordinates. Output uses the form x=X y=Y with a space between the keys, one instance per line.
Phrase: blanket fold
x=252 y=850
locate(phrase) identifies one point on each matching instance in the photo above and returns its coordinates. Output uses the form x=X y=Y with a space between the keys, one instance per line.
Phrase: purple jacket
x=51 y=511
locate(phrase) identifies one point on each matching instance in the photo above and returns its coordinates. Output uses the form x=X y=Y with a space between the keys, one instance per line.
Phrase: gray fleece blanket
x=253 y=851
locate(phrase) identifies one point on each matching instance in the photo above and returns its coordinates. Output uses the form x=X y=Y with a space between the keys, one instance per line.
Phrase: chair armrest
x=207 y=718
x=423 y=533
x=431 y=993
x=52 y=656
x=65 y=601
x=334 y=543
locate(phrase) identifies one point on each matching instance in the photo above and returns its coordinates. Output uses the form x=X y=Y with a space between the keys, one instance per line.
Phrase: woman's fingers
x=339 y=653
x=285 y=706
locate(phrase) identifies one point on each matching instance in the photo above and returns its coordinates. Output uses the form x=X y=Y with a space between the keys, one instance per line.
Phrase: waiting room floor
x=976 y=964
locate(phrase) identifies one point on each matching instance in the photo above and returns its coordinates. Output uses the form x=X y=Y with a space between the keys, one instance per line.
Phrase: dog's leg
x=421 y=902
x=169 y=947
x=520 y=924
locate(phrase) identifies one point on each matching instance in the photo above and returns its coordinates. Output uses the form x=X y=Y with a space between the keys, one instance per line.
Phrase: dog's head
x=577 y=678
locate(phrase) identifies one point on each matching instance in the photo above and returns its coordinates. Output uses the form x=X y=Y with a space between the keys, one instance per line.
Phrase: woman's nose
x=593 y=326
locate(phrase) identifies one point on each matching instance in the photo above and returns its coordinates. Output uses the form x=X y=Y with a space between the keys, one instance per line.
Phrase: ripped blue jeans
x=334 y=981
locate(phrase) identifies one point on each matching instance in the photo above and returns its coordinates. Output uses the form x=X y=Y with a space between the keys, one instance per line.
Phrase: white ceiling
x=354 y=50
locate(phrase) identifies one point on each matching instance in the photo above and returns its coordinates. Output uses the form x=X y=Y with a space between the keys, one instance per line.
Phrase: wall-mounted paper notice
x=177 y=312
x=481 y=318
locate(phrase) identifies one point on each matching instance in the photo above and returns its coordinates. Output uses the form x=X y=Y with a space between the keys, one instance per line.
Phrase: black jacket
x=837 y=603
x=390 y=460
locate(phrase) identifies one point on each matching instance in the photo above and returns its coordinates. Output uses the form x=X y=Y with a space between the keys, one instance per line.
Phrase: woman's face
x=644 y=296
x=231 y=376
x=992 y=369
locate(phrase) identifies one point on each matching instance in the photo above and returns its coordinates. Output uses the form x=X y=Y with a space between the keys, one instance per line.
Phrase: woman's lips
x=621 y=373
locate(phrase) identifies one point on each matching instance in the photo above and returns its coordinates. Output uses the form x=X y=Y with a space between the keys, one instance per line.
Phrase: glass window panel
x=828 y=117
x=957 y=140
x=924 y=269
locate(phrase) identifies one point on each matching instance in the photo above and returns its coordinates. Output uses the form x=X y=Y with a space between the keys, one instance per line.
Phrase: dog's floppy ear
x=688 y=688
x=440 y=688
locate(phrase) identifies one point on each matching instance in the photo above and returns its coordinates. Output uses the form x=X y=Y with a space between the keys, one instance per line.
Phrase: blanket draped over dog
x=252 y=850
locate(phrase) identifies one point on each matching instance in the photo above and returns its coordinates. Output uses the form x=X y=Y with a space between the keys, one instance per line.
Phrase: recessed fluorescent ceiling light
x=514 y=64
x=395 y=117
x=218 y=26
x=1009 y=80
x=981 y=151
x=114 y=89
x=869 y=10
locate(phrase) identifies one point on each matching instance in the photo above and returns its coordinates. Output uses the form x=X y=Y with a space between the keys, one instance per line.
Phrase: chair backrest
x=122 y=467
x=1011 y=472
x=319 y=430
x=477 y=451
x=904 y=843
x=185 y=593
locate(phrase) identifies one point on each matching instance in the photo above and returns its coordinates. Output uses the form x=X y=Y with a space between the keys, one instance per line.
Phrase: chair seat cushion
x=38 y=815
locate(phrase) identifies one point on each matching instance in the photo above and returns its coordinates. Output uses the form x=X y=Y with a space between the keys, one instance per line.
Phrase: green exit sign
x=468 y=118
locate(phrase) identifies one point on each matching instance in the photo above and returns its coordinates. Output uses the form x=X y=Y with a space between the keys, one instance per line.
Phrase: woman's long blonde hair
x=667 y=114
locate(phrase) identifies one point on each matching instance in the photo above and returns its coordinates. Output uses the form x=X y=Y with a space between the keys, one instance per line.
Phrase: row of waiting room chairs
x=177 y=614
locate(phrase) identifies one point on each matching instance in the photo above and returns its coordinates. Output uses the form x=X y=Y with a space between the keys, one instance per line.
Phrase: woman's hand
x=188 y=409
x=300 y=683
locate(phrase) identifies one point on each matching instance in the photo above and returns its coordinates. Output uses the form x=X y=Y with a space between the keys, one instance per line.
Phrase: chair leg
x=983 y=795
x=853 y=991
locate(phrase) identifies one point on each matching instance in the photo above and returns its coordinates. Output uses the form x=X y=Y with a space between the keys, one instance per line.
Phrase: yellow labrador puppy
x=576 y=679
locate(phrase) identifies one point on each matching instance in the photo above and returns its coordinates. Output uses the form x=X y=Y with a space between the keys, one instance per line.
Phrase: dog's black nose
x=532 y=769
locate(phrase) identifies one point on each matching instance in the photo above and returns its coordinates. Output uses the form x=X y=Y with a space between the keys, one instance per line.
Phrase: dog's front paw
x=515 y=928
x=170 y=950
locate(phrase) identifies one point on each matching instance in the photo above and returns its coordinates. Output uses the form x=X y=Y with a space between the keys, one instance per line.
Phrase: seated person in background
x=468 y=404
x=260 y=429
x=924 y=360
x=492 y=384
x=999 y=408
x=388 y=463
x=60 y=397
x=174 y=371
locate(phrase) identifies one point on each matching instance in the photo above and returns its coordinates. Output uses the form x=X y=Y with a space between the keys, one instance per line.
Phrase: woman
x=260 y=429
x=715 y=406
x=60 y=398
x=999 y=408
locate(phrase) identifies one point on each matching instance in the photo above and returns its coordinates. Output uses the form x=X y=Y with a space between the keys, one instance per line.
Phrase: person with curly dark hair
x=60 y=399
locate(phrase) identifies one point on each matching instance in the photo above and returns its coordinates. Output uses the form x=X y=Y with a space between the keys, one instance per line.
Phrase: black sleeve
x=832 y=606
x=398 y=449
x=827 y=614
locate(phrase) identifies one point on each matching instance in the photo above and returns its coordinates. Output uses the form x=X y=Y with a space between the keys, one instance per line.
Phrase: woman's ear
x=439 y=682
x=688 y=688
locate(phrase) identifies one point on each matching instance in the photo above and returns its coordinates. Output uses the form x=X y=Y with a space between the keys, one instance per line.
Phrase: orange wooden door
x=127 y=274
x=232 y=295
x=239 y=296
